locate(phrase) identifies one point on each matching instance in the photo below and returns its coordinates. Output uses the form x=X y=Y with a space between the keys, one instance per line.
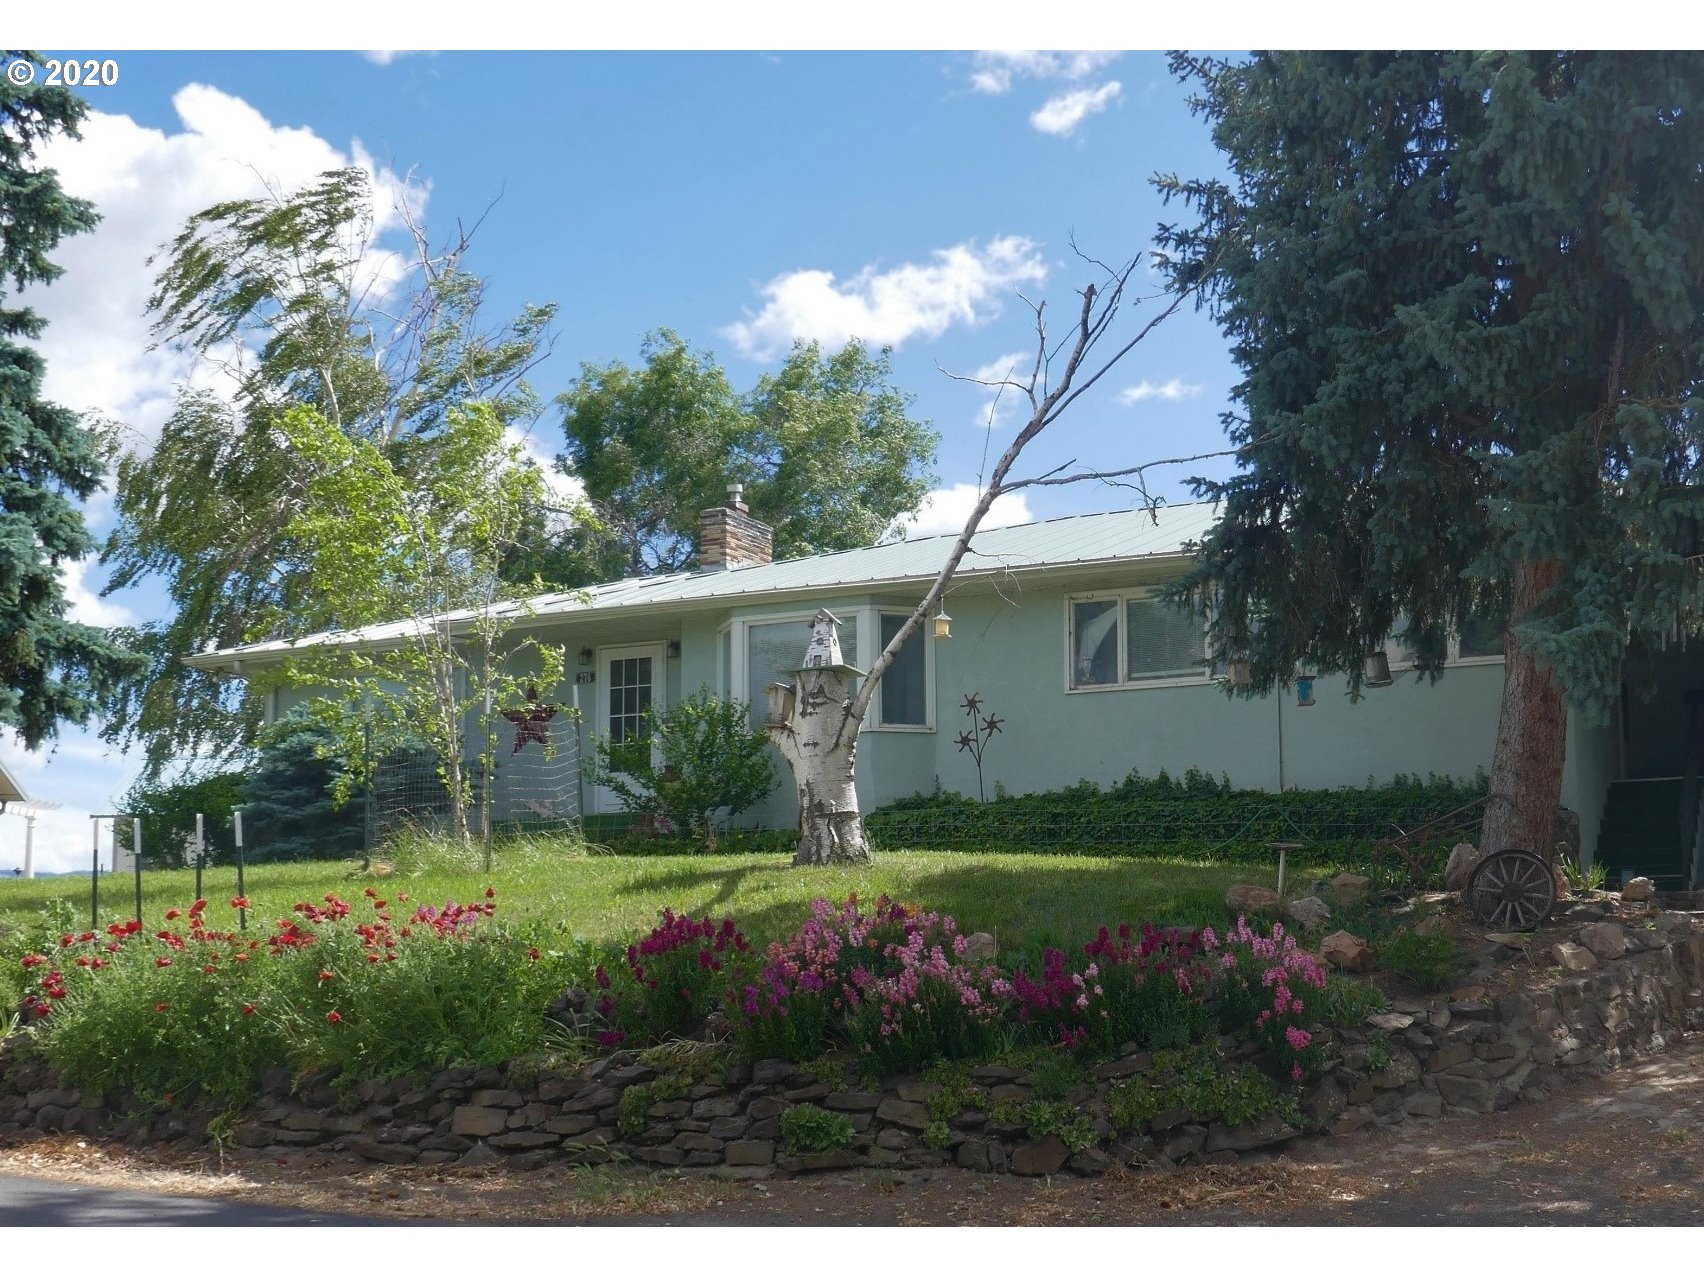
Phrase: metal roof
x=10 y=790
x=1071 y=540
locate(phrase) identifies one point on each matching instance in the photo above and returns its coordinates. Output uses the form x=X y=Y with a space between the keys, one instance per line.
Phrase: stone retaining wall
x=1464 y=1053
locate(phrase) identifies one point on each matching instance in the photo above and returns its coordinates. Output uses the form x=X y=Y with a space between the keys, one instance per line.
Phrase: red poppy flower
x=209 y=970
x=533 y=953
x=172 y=914
x=325 y=974
x=160 y=1007
x=248 y=1009
x=332 y=1018
x=490 y=893
x=239 y=902
x=240 y=956
x=162 y=961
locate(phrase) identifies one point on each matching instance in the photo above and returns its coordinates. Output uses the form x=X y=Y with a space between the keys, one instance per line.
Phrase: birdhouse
x=1239 y=672
x=943 y=625
x=1304 y=690
x=823 y=652
x=1376 y=670
x=780 y=703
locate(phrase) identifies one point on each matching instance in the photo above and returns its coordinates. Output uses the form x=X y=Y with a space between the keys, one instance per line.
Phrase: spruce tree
x=52 y=670
x=1465 y=294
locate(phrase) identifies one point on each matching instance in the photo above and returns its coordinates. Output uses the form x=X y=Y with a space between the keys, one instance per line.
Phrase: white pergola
x=14 y=800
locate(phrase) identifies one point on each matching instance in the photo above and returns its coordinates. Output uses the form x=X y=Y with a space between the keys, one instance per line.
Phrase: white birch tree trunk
x=820 y=744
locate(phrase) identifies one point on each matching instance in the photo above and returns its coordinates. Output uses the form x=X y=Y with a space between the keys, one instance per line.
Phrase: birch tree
x=819 y=739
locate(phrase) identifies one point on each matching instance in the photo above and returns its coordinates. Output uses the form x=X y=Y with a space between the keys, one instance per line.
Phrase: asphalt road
x=57 y=1204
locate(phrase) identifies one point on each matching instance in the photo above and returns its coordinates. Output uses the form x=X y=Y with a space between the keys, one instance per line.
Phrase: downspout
x=1280 y=700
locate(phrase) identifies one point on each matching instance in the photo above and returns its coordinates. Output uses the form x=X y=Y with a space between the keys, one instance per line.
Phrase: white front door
x=630 y=682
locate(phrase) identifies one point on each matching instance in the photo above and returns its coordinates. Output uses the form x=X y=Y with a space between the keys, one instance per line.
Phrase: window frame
x=1452 y=658
x=1124 y=683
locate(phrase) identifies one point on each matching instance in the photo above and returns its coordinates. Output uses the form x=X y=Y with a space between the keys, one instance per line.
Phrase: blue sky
x=742 y=199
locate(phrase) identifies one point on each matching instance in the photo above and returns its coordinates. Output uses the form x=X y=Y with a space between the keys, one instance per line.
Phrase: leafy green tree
x=168 y=813
x=423 y=550
x=1466 y=293
x=206 y=513
x=295 y=806
x=52 y=670
x=824 y=446
x=697 y=764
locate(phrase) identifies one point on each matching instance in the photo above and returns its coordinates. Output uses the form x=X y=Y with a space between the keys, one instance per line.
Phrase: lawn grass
x=1026 y=901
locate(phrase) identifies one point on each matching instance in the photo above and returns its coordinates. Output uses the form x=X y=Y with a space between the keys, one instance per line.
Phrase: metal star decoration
x=991 y=724
x=533 y=723
x=972 y=702
x=965 y=741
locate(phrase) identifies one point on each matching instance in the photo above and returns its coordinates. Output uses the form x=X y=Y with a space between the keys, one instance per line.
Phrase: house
x=1056 y=625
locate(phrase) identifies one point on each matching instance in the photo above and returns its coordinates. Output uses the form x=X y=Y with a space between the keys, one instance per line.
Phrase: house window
x=775 y=649
x=904 y=688
x=1134 y=639
x=1094 y=643
x=1480 y=637
x=1162 y=642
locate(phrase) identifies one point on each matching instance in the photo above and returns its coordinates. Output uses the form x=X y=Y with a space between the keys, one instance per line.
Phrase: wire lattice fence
x=534 y=784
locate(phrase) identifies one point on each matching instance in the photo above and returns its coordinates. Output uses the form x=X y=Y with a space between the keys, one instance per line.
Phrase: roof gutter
x=230 y=661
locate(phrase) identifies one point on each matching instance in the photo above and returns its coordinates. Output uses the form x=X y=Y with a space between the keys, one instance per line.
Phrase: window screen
x=904 y=696
x=775 y=649
x=1162 y=642
x=1094 y=643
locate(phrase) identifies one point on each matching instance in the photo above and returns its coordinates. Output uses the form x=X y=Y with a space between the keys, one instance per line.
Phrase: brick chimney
x=728 y=537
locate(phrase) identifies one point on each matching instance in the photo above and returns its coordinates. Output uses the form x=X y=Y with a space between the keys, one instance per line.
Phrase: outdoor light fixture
x=674 y=647
x=943 y=625
x=585 y=656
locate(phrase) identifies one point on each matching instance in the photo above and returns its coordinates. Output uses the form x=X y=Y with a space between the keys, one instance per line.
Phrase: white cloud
x=964 y=284
x=1060 y=115
x=1000 y=402
x=1176 y=388
x=945 y=509
x=144 y=183
x=995 y=70
x=566 y=491
x=84 y=602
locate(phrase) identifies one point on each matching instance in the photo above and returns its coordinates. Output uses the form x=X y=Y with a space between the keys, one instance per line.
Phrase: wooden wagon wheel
x=1513 y=888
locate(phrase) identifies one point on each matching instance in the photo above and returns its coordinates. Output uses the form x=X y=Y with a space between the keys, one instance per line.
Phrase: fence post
x=95 y=876
x=136 y=860
x=242 y=894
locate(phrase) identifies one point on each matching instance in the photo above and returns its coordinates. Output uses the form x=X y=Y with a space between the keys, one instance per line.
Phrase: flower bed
x=370 y=991
x=873 y=1035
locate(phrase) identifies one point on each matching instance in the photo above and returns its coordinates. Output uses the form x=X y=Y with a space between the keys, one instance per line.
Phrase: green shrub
x=807 y=1129
x=1346 y=1002
x=1430 y=960
x=1195 y=1082
x=698 y=759
x=1057 y=1118
x=1196 y=816
x=937 y=1135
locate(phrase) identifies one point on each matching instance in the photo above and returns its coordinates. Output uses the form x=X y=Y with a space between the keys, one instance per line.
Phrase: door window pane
x=904 y=696
x=1163 y=642
x=1094 y=643
x=629 y=696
